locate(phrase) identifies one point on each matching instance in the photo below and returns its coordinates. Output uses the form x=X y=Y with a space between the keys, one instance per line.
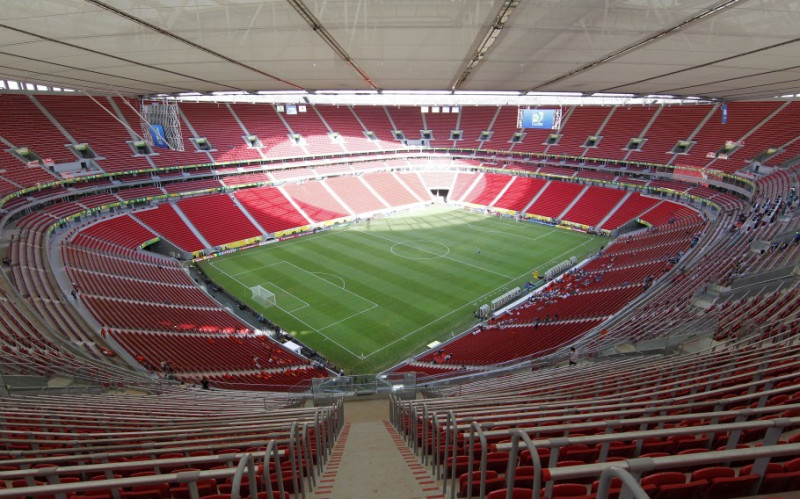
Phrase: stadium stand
x=356 y=194
x=474 y=121
x=555 y=198
x=266 y=124
x=595 y=204
x=376 y=120
x=520 y=194
x=670 y=125
x=217 y=121
x=237 y=227
x=314 y=131
x=344 y=122
x=444 y=124
x=743 y=118
x=164 y=220
x=624 y=124
x=730 y=405
x=578 y=125
x=487 y=188
x=661 y=363
x=408 y=120
x=111 y=146
x=271 y=209
x=503 y=128
x=316 y=201
x=389 y=187
x=133 y=449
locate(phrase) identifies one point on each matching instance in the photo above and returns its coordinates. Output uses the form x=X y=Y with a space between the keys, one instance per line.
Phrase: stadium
x=441 y=248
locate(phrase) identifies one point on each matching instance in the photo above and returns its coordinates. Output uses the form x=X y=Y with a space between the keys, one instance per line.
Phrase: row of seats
x=227 y=126
x=130 y=446
x=585 y=418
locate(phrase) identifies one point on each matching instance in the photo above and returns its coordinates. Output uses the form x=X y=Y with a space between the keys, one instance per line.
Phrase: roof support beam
x=192 y=44
x=489 y=37
x=320 y=30
x=716 y=9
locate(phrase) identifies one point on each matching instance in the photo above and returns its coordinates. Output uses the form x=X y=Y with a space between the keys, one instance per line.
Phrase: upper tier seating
x=408 y=120
x=343 y=121
x=264 y=122
x=742 y=118
x=216 y=123
x=107 y=137
x=443 y=124
x=314 y=132
x=376 y=121
x=625 y=124
x=474 y=120
x=505 y=124
x=671 y=125
x=577 y=127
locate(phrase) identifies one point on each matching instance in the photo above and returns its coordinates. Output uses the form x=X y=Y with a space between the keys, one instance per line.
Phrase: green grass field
x=369 y=295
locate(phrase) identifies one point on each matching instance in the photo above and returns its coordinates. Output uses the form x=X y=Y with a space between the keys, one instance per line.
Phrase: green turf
x=369 y=295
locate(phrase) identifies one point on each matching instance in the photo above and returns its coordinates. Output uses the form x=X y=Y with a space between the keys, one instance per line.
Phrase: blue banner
x=538 y=118
x=724 y=113
x=159 y=137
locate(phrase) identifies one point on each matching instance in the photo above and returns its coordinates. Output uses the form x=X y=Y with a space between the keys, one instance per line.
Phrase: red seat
x=579 y=452
x=621 y=449
x=713 y=472
x=516 y=493
x=142 y=494
x=729 y=487
x=568 y=490
x=681 y=490
x=475 y=478
x=473 y=487
x=497 y=461
x=664 y=478
x=204 y=487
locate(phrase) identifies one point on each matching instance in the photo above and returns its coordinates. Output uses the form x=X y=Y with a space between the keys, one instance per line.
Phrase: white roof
x=728 y=49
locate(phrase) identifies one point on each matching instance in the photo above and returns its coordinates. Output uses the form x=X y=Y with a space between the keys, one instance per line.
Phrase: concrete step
x=371 y=460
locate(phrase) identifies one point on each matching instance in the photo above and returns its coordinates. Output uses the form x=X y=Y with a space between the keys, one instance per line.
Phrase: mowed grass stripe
x=396 y=287
x=422 y=270
x=332 y=303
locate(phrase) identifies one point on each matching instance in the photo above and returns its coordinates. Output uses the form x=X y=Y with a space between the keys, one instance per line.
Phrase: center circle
x=420 y=250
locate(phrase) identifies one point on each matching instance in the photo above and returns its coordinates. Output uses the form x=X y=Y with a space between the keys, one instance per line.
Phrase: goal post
x=263 y=296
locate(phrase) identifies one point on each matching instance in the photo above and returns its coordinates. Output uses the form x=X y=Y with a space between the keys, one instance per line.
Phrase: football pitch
x=369 y=295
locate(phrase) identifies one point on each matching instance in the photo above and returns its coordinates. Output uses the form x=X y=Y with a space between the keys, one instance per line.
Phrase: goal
x=263 y=297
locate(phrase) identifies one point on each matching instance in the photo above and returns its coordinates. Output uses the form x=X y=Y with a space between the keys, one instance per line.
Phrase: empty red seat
x=729 y=487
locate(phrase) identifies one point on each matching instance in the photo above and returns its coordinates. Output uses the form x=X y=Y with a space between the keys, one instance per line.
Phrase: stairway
x=371 y=460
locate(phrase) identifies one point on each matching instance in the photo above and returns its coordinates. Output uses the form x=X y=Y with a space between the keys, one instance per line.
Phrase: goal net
x=263 y=297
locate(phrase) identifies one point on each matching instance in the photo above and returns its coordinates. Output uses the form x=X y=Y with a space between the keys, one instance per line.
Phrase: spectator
x=573 y=356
